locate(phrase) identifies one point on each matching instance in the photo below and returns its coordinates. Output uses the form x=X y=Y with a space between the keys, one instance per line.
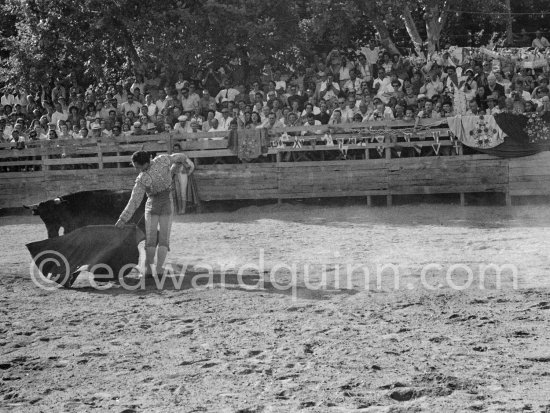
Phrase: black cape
x=61 y=258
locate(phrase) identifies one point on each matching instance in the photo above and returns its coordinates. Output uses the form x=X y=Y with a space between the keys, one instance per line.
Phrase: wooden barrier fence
x=354 y=159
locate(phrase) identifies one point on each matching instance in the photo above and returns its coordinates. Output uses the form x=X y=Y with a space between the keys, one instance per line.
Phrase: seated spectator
x=432 y=86
x=215 y=126
x=329 y=89
x=428 y=111
x=17 y=140
x=196 y=119
x=473 y=108
x=182 y=126
x=447 y=110
x=52 y=134
x=519 y=91
x=409 y=115
x=255 y=121
x=64 y=132
x=225 y=119
x=138 y=129
x=116 y=131
x=381 y=112
x=75 y=133
x=493 y=87
x=272 y=123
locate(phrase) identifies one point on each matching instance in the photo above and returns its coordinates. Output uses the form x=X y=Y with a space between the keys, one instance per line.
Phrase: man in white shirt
x=272 y=122
x=381 y=81
x=130 y=105
x=225 y=120
x=58 y=114
x=539 y=41
x=215 y=126
x=346 y=111
x=519 y=90
x=329 y=89
x=189 y=102
x=152 y=108
x=7 y=98
x=227 y=92
x=371 y=54
x=162 y=101
x=353 y=83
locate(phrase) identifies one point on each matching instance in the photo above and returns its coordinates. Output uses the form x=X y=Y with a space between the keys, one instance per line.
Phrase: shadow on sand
x=200 y=281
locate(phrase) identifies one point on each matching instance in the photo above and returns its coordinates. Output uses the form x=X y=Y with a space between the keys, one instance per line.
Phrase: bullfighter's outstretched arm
x=135 y=200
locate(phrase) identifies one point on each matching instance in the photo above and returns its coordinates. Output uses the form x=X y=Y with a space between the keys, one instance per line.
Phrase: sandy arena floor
x=320 y=338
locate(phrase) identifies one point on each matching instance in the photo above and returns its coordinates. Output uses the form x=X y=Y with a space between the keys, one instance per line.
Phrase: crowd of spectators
x=365 y=86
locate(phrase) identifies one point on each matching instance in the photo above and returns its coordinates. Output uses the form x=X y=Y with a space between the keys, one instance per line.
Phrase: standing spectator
x=181 y=83
x=59 y=114
x=211 y=81
x=139 y=83
x=189 y=102
x=7 y=98
x=130 y=105
x=539 y=41
x=227 y=92
x=206 y=101
x=58 y=91
x=372 y=53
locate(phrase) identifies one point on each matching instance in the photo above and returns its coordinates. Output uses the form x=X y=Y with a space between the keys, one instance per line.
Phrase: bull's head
x=33 y=208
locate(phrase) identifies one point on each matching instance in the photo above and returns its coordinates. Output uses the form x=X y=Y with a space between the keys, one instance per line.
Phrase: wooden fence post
x=99 y=156
x=387 y=139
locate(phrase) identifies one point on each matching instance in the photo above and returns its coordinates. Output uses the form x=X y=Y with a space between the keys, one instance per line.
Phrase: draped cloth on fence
x=249 y=144
x=96 y=245
x=504 y=135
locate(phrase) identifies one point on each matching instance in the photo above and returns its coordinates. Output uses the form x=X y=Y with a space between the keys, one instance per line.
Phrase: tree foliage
x=42 y=39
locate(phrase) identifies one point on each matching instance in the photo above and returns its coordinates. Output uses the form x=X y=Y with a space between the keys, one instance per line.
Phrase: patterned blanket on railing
x=504 y=135
x=249 y=144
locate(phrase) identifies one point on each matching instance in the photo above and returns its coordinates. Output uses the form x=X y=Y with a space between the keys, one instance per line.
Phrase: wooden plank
x=446 y=189
x=72 y=161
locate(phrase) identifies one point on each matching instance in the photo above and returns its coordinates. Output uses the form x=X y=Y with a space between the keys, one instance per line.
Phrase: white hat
x=421 y=96
x=182 y=118
x=137 y=125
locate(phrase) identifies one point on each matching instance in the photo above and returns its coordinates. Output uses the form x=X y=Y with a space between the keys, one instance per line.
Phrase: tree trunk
x=384 y=34
x=368 y=7
x=410 y=25
x=435 y=21
x=509 y=32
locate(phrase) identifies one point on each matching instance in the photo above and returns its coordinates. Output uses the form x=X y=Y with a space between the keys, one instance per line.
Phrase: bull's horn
x=33 y=206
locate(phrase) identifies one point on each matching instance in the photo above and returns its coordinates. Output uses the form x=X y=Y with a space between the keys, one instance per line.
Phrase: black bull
x=101 y=207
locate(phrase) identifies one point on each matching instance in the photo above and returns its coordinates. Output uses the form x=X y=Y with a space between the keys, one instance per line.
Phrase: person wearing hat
x=181 y=126
x=539 y=41
x=155 y=181
x=137 y=130
x=96 y=130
